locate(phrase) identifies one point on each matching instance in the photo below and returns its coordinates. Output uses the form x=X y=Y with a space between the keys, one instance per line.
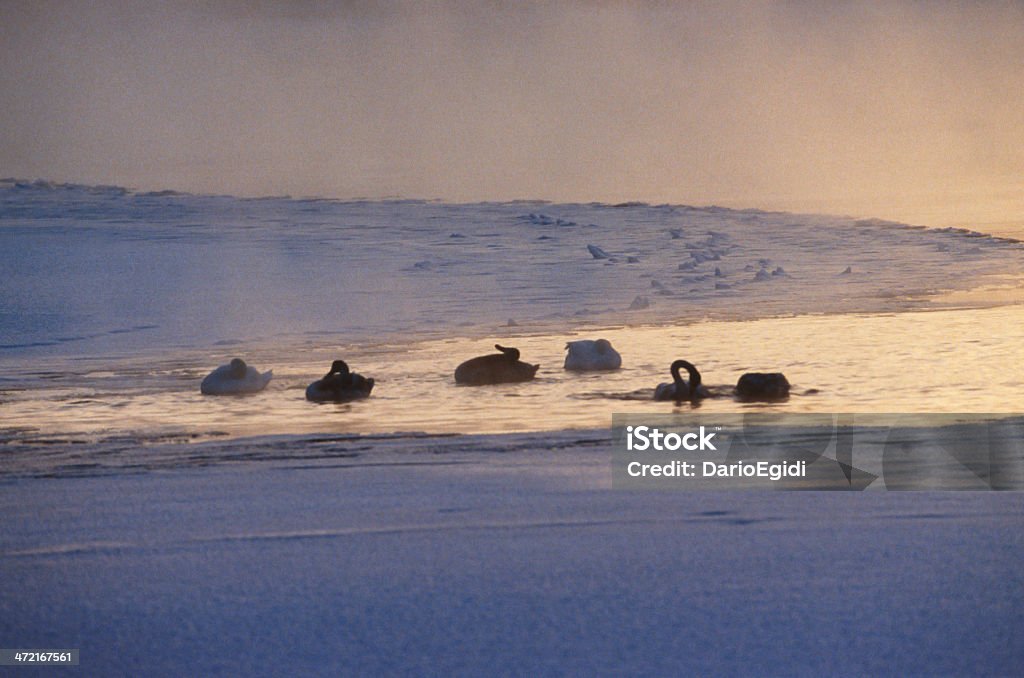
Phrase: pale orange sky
x=908 y=110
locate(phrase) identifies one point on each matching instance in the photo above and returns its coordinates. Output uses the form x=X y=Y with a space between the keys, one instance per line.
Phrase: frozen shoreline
x=511 y=563
x=894 y=452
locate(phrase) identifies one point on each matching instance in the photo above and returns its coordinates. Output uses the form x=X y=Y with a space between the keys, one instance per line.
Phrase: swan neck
x=678 y=380
x=694 y=379
x=337 y=367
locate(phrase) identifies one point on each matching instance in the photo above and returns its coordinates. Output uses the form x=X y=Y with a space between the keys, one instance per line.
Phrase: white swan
x=236 y=378
x=589 y=354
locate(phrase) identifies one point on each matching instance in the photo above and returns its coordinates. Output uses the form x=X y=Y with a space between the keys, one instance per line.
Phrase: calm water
x=940 y=361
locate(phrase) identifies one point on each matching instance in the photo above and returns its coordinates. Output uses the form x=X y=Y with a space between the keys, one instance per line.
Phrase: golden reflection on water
x=940 y=361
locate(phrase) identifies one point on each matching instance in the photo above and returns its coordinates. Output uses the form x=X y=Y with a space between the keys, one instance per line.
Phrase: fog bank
x=859 y=107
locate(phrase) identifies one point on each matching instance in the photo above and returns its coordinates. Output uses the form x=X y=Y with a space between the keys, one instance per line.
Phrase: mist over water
x=898 y=110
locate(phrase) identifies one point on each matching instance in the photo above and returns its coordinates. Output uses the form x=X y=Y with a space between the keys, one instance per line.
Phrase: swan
x=589 y=354
x=339 y=385
x=679 y=390
x=501 y=368
x=762 y=386
x=236 y=378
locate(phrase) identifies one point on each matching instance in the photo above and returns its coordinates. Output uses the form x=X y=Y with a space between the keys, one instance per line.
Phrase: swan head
x=679 y=390
x=238 y=368
x=695 y=380
x=602 y=346
x=339 y=367
x=510 y=353
x=685 y=365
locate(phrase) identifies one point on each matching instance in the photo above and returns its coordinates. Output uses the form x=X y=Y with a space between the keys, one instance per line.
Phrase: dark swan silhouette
x=762 y=386
x=679 y=390
x=339 y=385
x=501 y=368
x=235 y=378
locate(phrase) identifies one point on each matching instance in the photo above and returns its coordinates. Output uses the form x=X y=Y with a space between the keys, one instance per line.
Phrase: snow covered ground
x=523 y=563
x=100 y=270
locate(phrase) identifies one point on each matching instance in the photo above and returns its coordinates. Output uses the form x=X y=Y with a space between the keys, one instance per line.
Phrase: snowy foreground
x=458 y=562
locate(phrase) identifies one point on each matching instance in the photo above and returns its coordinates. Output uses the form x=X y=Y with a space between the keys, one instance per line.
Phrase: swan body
x=339 y=385
x=763 y=386
x=500 y=368
x=235 y=378
x=589 y=354
x=679 y=389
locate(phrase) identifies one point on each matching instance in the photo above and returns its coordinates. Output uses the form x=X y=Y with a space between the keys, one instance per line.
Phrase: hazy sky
x=869 y=107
